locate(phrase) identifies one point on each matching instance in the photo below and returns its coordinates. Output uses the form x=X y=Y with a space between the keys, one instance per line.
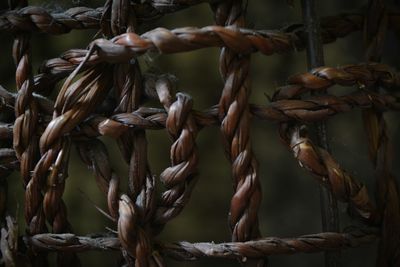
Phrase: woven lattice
x=42 y=123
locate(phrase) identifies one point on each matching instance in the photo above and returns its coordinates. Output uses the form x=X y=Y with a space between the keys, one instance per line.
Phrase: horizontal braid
x=242 y=251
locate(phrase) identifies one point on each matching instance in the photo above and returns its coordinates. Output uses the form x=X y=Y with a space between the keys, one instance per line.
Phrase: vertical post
x=315 y=58
x=379 y=143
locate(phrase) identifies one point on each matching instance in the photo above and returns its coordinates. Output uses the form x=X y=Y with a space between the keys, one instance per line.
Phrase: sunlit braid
x=124 y=47
x=363 y=75
x=387 y=191
x=328 y=172
x=73 y=104
x=235 y=126
x=179 y=179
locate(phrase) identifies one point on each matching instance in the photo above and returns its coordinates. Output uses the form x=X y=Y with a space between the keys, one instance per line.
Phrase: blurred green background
x=290 y=205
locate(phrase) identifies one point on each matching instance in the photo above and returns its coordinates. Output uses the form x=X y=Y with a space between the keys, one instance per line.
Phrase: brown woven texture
x=47 y=122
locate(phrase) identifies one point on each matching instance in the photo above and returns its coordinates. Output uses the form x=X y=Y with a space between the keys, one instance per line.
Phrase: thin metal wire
x=315 y=59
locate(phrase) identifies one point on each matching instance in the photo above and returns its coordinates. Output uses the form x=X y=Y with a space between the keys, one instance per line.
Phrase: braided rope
x=179 y=178
x=363 y=75
x=135 y=210
x=74 y=102
x=81 y=112
x=121 y=208
x=309 y=110
x=327 y=171
x=235 y=127
x=312 y=109
x=127 y=46
x=34 y=19
x=25 y=141
x=39 y=19
x=193 y=251
x=133 y=237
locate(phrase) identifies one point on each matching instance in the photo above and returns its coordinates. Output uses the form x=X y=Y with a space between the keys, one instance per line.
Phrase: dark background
x=290 y=204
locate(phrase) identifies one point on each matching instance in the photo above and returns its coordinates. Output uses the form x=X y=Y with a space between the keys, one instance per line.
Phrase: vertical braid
x=235 y=127
x=128 y=89
x=136 y=208
x=133 y=144
x=74 y=103
x=25 y=141
x=132 y=217
x=179 y=178
x=387 y=192
x=94 y=154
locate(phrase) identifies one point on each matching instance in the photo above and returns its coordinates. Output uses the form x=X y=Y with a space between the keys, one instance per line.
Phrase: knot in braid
x=182 y=128
x=135 y=239
x=179 y=178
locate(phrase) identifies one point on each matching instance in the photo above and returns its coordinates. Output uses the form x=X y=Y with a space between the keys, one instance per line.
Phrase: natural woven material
x=44 y=128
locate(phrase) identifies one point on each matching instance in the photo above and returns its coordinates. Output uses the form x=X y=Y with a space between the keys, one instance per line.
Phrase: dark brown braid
x=235 y=127
x=179 y=178
x=105 y=94
x=54 y=145
x=25 y=141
